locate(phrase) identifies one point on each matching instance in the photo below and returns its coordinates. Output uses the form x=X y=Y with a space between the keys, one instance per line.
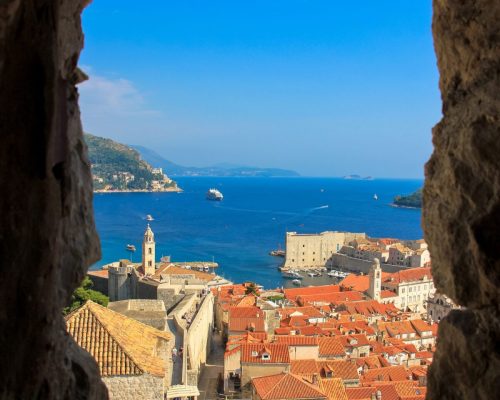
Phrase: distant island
x=413 y=200
x=119 y=168
x=218 y=170
x=358 y=177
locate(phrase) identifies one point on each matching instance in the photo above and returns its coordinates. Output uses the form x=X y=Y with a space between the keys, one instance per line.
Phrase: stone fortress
x=352 y=251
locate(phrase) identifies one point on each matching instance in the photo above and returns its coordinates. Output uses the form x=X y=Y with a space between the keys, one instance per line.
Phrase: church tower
x=148 y=252
x=375 y=279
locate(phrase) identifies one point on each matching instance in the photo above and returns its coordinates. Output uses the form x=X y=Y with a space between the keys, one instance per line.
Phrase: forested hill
x=412 y=200
x=116 y=166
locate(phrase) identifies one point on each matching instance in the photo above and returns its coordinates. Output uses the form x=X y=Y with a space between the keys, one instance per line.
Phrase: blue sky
x=327 y=88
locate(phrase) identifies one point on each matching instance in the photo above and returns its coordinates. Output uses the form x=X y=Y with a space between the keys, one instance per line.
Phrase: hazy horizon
x=325 y=88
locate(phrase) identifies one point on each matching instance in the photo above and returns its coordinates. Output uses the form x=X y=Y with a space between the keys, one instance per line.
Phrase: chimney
x=315 y=379
x=379 y=395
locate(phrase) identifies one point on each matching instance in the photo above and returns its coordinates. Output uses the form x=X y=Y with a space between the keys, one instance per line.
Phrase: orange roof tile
x=330 y=347
x=247 y=324
x=245 y=312
x=361 y=393
x=253 y=352
x=347 y=370
x=297 y=340
x=171 y=269
x=409 y=275
x=393 y=373
x=120 y=345
x=285 y=387
x=103 y=273
x=333 y=388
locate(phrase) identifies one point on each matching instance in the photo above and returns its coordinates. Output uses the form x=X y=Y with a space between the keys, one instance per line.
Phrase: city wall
x=198 y=338
x=132 y=387
x=357 y=265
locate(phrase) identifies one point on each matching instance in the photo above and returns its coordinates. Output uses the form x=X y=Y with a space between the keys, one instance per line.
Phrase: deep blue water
x=252 y=219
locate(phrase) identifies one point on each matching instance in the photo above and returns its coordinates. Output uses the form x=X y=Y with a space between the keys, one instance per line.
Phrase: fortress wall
x=199 y=334
x=313 y=251
x=358 y=265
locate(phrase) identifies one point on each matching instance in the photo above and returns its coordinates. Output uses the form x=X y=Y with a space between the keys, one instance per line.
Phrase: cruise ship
x=214 y=194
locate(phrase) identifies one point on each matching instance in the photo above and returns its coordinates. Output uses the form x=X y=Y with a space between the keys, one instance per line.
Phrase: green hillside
x=116 y=166
x=412 y=200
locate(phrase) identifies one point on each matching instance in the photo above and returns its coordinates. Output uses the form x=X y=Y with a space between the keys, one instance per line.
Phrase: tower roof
x=148 y=233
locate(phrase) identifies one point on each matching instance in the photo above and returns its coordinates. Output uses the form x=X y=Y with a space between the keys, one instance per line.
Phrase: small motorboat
x=149 y=217
x=130 y=247
x=375 y=197
x=296 y=282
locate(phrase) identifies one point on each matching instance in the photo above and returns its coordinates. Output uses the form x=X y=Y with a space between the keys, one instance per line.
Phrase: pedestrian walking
x=174 y=353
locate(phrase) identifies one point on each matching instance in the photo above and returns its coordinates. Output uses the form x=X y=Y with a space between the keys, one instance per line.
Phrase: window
x=303 y=245
x=150 y=250
x=150 y=263
x=254 y=353
x=303 y=253
x=293 y=259
x=314 y=259
x=266 y=356
x=403 y=290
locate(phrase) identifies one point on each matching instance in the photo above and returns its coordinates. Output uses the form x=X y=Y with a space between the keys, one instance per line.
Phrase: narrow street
x=210 y=372
x=176 y=365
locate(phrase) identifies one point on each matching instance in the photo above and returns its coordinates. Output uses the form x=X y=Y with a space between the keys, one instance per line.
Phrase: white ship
x=214 y=194
x=130 y=247
x=292 y=275
x=149 y=217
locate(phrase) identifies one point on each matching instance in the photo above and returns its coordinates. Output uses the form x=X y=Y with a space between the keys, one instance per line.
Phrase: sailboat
x=375 y=197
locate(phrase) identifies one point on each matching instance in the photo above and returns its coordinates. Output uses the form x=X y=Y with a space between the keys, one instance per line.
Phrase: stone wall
x=198 y=337
x=47 y=233
x=461 y=213
x=134 y=387
x=358 y=265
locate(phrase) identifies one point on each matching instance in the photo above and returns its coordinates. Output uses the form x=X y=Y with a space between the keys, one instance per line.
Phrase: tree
x=252 y=289
x=83 y=293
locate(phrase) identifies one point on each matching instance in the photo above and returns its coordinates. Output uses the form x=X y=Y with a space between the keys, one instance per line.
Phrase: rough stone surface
x=47 y=233
x=461 y=214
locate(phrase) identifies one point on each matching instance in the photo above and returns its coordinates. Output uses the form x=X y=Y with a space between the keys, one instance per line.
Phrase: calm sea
x=239 y=232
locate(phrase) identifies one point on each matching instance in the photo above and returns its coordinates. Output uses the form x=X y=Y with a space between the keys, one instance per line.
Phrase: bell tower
x=375 y=279
x=148 y=252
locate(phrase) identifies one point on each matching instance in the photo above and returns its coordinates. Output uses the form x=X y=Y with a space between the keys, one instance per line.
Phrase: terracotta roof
x=409 y=275
x=308 y=311
x=387 y=293
x=247 y=324
x=171 y=269
x=360 y=393
x=247 y=301
x=421 y=326
x=344 y=369
x=393 y=373
x=354 y=340
x=120 y=345
x=371 y=362
x=297 y=340
x=367 y=308
x=359 y=283
x=330 y=347
x=103 y=273
x=333 y=388
x=307 y=367
x=285 y=387
x=245 y=312
x=328 y=298
x=253 y=352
